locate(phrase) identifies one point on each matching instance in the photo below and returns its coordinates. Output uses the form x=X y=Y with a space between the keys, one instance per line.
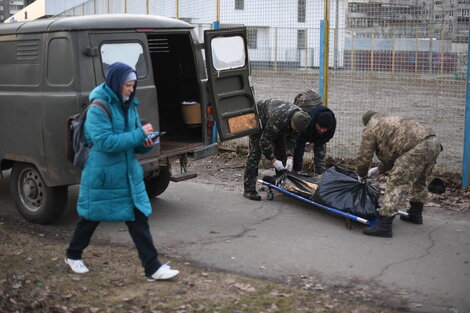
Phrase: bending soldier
x=282 y=122
x=408 y=150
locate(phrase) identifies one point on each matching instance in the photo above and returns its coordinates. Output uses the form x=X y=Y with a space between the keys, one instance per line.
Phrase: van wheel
x=157 y=185
x=35 y=201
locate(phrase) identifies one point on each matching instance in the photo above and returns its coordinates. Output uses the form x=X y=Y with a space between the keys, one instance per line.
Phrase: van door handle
x=91 y=51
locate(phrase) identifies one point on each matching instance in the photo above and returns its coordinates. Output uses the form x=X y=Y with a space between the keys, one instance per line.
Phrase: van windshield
x=131 y=54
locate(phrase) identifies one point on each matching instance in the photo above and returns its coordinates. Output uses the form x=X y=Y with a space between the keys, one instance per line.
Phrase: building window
x=301 y=39
x=438 y=3
x=301 y=10
x=465 y=12
x=451 y=13
x=252 y=38
x=239 y=4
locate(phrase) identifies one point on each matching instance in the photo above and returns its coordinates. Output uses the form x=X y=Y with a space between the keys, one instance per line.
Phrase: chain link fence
x=401 y=57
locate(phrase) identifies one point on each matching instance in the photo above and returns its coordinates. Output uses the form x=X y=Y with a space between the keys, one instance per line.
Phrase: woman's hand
x=149 y=142
x=148 y=129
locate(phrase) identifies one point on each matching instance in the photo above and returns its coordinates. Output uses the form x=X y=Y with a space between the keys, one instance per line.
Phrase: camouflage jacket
x=389 y=137
x=275 y=116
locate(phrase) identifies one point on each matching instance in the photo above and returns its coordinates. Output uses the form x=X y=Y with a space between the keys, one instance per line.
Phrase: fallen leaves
x=245 y=287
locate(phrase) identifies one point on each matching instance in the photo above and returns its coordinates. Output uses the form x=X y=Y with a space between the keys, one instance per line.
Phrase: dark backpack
x=76 y=145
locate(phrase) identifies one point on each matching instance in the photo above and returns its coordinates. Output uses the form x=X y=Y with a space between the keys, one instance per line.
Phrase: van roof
x=102 y=21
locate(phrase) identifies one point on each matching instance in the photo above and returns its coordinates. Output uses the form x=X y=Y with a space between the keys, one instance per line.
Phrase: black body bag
x=340 y=189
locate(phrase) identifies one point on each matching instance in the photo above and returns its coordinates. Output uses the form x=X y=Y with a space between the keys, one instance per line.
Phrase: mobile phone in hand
x=157 y=135
x=153 y=135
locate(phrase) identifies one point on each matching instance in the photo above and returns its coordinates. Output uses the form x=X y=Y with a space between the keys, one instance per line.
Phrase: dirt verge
x=34 y=278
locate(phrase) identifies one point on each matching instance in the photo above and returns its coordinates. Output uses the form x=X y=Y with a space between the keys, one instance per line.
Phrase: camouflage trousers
x=411 y=168
x=254 y=157
x=319 y=159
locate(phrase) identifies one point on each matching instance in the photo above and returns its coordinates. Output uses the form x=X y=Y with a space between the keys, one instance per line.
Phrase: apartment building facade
x=286 y=34
x=438 y=19
x=9 y=8
x=280 y=33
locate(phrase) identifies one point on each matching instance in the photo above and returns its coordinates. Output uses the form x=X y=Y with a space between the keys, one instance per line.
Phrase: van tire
x=35 y=201
x=156 y=185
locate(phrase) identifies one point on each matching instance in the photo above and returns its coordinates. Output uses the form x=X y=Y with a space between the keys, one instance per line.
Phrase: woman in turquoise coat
x=112 y=186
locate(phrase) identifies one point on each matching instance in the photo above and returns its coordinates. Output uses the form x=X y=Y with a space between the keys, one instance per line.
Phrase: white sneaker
x=77 y=266
x=164 y=272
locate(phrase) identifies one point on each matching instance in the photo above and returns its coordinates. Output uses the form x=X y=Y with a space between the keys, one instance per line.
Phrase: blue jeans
x=140 y=234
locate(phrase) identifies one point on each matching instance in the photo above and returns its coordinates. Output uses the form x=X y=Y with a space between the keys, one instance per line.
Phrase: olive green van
x=48 y=68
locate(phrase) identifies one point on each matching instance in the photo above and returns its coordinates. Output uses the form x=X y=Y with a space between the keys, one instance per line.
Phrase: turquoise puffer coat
x=112 y=181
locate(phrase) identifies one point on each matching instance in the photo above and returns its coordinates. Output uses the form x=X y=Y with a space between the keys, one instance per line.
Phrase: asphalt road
x=218 y=228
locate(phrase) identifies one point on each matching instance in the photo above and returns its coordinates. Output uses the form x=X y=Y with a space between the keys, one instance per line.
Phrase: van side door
x=131 y=49
x=228 y=72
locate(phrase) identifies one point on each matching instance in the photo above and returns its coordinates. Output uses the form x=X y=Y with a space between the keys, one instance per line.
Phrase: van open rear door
x=228 y=72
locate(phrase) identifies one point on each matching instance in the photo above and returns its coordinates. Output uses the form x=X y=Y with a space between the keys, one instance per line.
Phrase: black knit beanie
x=325 y=120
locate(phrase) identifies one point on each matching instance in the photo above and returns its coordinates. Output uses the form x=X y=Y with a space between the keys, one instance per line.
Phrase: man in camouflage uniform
x=281 y=122
x=408 y=150
x=320 y=130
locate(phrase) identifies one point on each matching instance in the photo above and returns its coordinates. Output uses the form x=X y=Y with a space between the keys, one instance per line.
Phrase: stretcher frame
x=348 y=216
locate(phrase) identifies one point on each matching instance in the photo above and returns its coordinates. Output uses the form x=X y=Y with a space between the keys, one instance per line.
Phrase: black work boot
x=383 y=228
x=252 y=195
x=415 y=213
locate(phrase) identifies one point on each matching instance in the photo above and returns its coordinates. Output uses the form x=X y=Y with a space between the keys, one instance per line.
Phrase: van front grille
x=159 y=45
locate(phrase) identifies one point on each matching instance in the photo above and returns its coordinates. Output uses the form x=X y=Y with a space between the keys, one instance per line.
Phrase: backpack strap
x=102 y=106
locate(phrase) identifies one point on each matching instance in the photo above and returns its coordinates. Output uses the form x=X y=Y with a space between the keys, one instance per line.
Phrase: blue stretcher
x=348 y=216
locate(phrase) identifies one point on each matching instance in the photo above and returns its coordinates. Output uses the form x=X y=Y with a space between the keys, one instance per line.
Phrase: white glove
x=289 y=164
x=373 y=172
x=278 y=165
x=362 y=180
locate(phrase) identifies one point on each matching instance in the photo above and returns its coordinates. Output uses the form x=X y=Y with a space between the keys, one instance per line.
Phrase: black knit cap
x=326 y=120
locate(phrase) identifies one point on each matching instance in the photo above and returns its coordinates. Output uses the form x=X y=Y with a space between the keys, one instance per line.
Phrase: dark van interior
x=176 y=80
